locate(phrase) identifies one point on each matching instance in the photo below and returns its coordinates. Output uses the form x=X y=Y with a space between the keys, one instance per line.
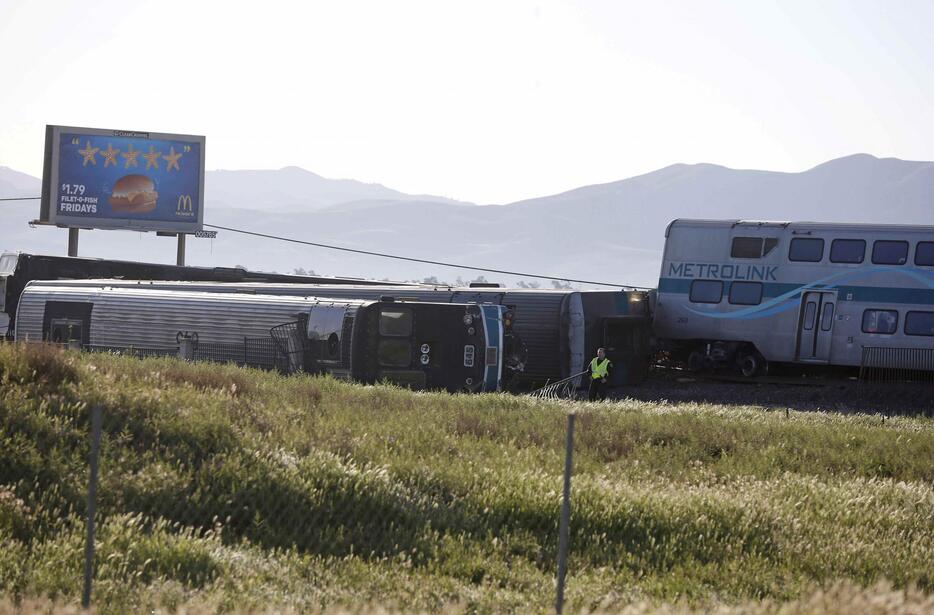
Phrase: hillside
x=610 y=232
x=224 y=488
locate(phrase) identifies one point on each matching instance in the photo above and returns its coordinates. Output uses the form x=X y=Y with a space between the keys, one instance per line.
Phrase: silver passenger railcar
x=746 y=293
x=423 y=345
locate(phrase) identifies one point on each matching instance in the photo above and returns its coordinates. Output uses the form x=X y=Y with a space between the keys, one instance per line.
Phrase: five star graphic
x=172 y=159
x=130 y=157
x=152 y=158
x=88 y=153
x=110 y=155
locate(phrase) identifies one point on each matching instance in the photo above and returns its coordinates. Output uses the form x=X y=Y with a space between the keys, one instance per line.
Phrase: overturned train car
x=450 y=346
x=19 y=268
x=556 y=332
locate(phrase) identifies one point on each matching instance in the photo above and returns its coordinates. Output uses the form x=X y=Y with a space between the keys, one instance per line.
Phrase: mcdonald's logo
x=184 y=204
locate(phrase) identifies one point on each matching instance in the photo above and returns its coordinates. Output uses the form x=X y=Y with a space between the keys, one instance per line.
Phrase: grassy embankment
x=224 y=488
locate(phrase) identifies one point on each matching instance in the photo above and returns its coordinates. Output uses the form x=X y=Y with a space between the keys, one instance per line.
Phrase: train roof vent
x=387 y=298
x=485 y=285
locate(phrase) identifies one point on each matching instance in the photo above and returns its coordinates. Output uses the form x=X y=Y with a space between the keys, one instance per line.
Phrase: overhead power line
x=394 y=256
x=420 y=260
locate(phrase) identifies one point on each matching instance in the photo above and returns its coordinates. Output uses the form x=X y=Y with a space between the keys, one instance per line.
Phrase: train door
x=815 y=326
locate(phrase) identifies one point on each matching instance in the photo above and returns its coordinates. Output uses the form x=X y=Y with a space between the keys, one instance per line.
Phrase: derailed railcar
x=455 y=347
x=554 y=332
x=19 y=268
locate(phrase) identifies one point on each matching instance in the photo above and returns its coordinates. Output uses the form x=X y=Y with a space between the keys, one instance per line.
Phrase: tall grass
x=236 y=489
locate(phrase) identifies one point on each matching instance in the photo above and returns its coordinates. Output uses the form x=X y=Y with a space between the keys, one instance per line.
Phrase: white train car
x=744 y=293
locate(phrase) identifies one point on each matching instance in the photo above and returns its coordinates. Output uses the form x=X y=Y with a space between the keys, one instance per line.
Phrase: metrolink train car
x=18 y=269
x=747 y=293
x=451 y=346
x=554 y=332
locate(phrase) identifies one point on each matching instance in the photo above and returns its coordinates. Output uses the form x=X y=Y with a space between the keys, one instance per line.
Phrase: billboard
x=118 y=179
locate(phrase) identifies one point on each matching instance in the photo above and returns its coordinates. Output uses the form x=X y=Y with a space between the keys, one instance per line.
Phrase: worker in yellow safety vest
x=599 y=374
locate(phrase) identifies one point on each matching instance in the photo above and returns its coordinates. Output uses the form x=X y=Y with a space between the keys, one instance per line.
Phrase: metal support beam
x=73 y=242
x=180 y=257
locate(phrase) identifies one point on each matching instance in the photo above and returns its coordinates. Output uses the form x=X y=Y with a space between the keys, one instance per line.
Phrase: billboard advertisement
x=119 y=179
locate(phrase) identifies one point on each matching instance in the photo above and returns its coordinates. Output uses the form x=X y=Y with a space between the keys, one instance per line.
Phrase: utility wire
x=419 y=260
x=394 y=256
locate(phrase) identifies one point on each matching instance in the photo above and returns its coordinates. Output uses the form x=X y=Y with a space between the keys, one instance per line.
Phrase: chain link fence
x=243 y=502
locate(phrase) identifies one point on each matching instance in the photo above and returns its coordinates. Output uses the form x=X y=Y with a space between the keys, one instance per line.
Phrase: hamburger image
x=134 y=194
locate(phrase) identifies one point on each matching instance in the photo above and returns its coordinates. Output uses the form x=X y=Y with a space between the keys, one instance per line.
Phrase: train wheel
x=696 y=361
x=750 y=364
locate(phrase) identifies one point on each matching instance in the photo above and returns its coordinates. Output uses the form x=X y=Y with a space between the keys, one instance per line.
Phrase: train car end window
x=769 y=245
x=746 y=247
x=752 y=247
x=847 y=251
x=806 y=250
x=395 y=322
x=880 y=321
x=746 y=293
x=919 y=323
x=924 y=253
x=706 y=291
x=394 y=353
x=886 y=252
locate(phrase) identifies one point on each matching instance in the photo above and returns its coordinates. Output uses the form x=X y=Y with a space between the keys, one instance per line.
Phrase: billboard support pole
x=180 y=255
x=73 y=241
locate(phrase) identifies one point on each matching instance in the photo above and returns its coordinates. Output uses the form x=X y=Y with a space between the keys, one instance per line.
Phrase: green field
x=230 y=489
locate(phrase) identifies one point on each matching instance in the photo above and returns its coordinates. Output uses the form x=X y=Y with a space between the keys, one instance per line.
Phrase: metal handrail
x=560 y=389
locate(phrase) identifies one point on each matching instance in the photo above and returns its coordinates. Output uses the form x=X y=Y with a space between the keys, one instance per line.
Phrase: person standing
x=599 y=375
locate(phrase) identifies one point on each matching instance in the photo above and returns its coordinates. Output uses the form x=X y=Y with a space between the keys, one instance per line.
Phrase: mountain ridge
x=611 y=232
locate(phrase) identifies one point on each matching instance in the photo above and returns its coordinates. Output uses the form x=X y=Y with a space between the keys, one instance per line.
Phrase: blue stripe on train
x=922 y=296
x=779 y=297
x=492 y=325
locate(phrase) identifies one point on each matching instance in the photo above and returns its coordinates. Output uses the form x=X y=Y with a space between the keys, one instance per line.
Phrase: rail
x=561 y=389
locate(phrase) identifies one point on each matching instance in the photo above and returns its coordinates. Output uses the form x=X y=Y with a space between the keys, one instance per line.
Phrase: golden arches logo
x=184 y=204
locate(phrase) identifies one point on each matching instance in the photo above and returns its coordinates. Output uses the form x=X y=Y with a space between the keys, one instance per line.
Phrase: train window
x=890 y=252
x=847 y=250
x=810 y=311
x=394 y=353
x=395 y=322
x=752 y=247
x=924 y=253
x=826 y=319
x=746 y=247
x=746 y=293
x=880 y=321
x=706 y=291
x=919 y=323
x=806 y=249
x=769 y=245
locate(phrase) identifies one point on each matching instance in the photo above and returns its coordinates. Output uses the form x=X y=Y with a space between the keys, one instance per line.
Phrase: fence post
x=92 y=500
x=565 y=517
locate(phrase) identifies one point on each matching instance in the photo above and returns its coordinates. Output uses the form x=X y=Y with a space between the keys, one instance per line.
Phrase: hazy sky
x=482 y=101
